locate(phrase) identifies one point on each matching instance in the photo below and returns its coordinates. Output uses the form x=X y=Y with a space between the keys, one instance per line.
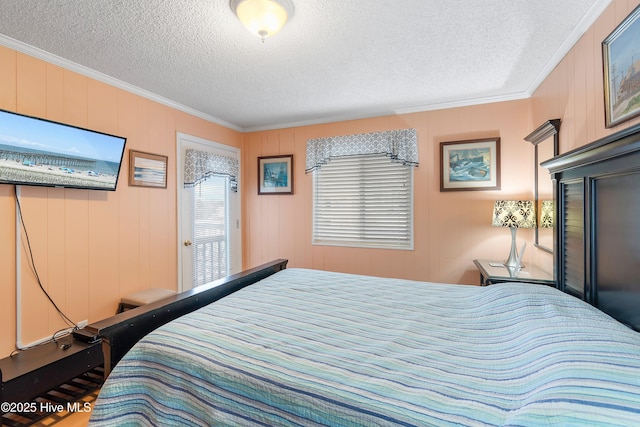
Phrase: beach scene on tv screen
x=38 y=152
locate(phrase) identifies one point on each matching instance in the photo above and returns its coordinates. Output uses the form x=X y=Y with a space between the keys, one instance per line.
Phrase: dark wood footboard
x=120 y=332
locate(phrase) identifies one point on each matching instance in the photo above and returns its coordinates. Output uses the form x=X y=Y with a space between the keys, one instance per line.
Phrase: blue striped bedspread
x=314 y=348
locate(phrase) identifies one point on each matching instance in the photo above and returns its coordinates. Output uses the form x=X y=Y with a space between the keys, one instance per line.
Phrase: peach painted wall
x=574 y=91
x=90 y=247
x=451 y=228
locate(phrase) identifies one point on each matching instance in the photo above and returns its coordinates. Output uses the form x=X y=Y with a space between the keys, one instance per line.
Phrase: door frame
x=184 y=141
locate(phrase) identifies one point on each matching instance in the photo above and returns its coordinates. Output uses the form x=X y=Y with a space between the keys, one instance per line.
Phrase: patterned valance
x=401 y=145
x=200 y=165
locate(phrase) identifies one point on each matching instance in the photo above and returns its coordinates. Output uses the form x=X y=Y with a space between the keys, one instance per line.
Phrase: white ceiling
x=334 y=60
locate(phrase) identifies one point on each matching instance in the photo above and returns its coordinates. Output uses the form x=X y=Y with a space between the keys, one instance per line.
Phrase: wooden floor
x=75 y=419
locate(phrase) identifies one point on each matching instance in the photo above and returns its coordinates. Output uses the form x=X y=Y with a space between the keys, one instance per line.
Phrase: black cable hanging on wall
x=64 y=317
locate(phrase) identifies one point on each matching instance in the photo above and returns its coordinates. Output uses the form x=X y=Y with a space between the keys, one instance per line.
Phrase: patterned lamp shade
x=514 y=214
x=546 y=214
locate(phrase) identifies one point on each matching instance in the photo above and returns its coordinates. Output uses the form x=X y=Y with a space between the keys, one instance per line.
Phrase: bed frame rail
x=120 y=332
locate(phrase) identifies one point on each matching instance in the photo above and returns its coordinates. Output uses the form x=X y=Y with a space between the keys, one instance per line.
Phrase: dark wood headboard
x=598 y=229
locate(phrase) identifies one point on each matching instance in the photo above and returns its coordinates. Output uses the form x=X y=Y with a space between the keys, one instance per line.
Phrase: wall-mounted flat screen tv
x=35 y=151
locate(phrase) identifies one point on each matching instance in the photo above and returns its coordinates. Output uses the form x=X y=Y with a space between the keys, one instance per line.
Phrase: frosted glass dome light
x=263 y=18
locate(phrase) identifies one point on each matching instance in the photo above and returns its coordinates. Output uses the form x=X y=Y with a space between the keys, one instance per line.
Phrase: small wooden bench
x=143 y=297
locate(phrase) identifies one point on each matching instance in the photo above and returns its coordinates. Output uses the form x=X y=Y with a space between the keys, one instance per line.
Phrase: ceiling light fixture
x=263 y=18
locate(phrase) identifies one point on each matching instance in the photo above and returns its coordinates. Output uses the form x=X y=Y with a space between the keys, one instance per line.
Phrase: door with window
x=209 y=211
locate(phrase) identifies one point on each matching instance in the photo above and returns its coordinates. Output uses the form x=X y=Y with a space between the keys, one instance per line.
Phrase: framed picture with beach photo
x=147 y=169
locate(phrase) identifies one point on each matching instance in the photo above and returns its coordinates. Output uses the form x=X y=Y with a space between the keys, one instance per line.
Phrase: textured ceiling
x=335 y=59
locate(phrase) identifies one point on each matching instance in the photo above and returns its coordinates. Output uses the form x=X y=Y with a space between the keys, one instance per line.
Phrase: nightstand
x=494 y=272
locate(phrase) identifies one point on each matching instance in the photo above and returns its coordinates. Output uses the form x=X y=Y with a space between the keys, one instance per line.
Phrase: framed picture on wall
x=275 y=174
x=470 y=165
x=147 y=170
x=621 y=57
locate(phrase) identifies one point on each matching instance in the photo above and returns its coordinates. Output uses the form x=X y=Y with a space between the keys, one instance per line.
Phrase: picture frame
x=620 y=52
x=147 y=169
x=275 y=174
x=470 y=165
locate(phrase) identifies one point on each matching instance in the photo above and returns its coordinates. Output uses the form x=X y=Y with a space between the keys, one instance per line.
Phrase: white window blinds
x=211 y=255
x=363 y=201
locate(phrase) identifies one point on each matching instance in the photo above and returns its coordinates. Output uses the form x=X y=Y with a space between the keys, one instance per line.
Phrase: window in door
x=209 y=201
x=210 y=230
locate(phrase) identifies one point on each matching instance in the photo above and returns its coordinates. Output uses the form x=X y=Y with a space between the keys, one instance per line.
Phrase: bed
x=307 y=348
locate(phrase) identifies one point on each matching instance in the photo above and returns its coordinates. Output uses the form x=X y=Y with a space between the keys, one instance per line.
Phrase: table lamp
x=546 y=214
x=514 y=214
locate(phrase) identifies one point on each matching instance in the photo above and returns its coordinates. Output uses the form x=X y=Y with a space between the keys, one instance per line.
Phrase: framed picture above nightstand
x=492 y=272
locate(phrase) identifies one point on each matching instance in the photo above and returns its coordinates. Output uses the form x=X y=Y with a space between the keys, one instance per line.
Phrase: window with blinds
x=363 y=201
